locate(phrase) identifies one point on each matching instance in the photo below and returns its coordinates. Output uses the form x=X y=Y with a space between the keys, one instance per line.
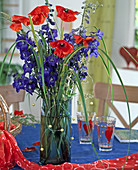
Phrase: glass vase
x=55 y=140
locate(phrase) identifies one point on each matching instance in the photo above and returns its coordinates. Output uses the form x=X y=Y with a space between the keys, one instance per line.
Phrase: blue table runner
x=80 y=154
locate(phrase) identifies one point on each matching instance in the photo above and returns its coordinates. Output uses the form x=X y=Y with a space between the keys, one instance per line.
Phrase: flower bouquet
x=54 y=65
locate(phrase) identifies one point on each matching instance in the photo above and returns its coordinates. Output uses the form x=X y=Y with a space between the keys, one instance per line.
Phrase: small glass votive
x=105 y=132
x=85 y=133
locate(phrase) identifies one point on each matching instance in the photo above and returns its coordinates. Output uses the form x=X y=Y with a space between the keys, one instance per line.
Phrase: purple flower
x=39 y=78
x=45 y=27
x=27 y=67
x=52 y=60
x=20 y=82
x=99 y=34
x=31 y=84
x=94 y=52
x=25 y=55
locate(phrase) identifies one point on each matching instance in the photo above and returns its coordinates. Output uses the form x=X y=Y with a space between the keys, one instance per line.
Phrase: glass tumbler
x=105 y=131
x=86 y=132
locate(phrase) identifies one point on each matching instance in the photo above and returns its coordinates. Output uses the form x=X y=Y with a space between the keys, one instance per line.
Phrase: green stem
x=47 y=1
x=62 y=30
x=40 y=58
x=34 y=35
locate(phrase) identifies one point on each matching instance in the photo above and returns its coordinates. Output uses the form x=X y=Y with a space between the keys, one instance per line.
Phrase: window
x=136 y=23
x=7 y=36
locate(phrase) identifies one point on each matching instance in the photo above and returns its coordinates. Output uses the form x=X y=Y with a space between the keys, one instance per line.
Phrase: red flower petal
x=16 y=26
x=59 y=53
x=16 y=112
x=20 y=19
x=36 y=143
x=44 y=9
x=78 y=39
x=25 y=21
x=63 y=48
x=65 y=14
x=35 y=11
x=88 y=39
x=29 y=149
x=39 y=14
x=39 y=10
x=38 y=19
x=85 y=43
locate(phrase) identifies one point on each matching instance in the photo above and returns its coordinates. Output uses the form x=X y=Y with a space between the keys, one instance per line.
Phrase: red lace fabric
x=11 y=154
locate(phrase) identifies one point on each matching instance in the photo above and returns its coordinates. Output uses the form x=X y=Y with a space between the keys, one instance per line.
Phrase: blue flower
x=99 y=34
x=31 y=84
x=45 y=27
x=20 y=82
x=25 y=55
x=52 y=60
x=27 y=67
x=94 y=52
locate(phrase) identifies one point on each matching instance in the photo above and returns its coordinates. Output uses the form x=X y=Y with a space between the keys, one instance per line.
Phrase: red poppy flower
x=17 y=22
x=65 y=14
x=16 y=112
x=39 y=14
x=62 y=48
x=79 y=39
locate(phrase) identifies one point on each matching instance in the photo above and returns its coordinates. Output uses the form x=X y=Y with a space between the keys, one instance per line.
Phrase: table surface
x=80 y=153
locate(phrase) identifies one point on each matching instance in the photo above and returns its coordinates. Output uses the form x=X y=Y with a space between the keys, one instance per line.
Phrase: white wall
x=123 y=29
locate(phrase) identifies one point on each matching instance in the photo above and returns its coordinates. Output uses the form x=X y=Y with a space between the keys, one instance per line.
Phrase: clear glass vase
x=55 y=140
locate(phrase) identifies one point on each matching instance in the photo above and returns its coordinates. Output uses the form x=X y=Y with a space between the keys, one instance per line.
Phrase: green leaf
x=114 y=67
x=14 y=44
x=130 y=55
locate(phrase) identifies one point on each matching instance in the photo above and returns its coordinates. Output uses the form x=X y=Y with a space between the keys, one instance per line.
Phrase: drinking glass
x=105 y=132
x=86 y=132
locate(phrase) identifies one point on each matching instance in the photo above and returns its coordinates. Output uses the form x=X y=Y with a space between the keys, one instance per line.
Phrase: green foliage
x=7 y=72
x=29 y=119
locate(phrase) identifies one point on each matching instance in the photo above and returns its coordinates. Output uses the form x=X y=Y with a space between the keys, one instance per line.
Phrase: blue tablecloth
x=80 y=154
